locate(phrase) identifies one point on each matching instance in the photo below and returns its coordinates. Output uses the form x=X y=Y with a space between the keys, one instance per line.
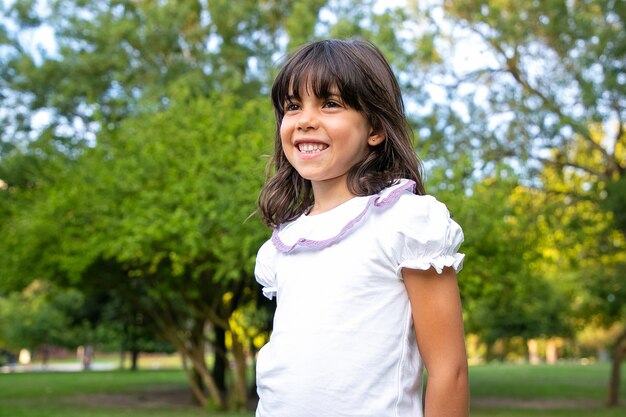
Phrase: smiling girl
x=362 y=263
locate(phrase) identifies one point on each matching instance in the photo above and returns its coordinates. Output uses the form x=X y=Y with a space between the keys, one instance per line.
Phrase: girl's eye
x=291 y=107
x=332 y=104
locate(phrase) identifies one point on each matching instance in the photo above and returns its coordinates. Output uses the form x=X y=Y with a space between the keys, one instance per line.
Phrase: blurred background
x=134 y=136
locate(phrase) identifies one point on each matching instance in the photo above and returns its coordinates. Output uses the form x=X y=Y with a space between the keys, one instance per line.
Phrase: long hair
x=366 y=83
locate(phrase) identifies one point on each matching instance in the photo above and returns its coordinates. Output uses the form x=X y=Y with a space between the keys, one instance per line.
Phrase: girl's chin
x=323 y=178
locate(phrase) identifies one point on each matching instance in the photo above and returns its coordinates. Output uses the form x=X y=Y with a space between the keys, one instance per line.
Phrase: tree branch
x=512 y=67
x=620 y=138
x=588 y=170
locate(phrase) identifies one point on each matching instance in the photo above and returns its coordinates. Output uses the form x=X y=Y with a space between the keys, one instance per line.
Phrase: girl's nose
x=308 y=119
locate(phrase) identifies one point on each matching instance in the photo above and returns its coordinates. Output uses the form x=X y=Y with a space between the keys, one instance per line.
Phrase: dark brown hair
x=365 y=81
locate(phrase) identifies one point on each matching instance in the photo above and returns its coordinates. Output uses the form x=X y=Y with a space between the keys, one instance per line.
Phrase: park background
x=133 y=144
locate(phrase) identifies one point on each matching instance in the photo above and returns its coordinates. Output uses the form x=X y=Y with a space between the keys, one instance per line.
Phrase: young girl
x=362 y=263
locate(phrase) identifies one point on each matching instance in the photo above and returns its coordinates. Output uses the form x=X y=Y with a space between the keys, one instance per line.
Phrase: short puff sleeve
x=264 y=269
x=425 y=236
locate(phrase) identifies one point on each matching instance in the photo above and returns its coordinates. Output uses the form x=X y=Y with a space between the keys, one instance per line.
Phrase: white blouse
x=343 y=342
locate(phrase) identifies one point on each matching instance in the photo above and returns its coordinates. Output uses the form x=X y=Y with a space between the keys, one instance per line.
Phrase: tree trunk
x=134 y=359
x=619 y=350
x=197 y=374
x=191 y=349
x=220 y=364
x=122 y=359
x=123 y=347
x=241 y=386
x=45 y=354
x=197 y=342
x=253 y=396
x=197 y=388
x=199 y=365
x=195 y=382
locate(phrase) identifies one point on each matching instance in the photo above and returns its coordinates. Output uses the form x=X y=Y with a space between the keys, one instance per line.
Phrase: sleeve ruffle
x=427 y=236
x=264 y=269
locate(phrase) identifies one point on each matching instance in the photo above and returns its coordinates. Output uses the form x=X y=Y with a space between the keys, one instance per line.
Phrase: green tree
x=161 y=212
x=504 y=294
x=539 y=74
x=42 y=316
x=540 y=79
x=581 y=240
x=118 y=58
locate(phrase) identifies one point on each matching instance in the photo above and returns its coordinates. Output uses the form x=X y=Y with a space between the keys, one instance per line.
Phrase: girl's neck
x=329 y=194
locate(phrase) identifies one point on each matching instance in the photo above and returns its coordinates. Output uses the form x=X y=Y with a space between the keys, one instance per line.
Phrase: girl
x=362 y=263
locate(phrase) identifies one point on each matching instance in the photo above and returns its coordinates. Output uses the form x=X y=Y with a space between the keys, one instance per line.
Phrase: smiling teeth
x=311 y=147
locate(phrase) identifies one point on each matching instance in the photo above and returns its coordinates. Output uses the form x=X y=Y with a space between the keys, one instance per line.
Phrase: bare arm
x=436 y=308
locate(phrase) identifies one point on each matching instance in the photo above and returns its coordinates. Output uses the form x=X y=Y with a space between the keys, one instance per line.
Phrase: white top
x=343 y=342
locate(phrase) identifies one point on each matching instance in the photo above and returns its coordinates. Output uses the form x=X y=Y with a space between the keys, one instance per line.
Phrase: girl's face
x=322 y=138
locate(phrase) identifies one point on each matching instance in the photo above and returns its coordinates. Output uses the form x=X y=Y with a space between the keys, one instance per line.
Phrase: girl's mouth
x=311 y=147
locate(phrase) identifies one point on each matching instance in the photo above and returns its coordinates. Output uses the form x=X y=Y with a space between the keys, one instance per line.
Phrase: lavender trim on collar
x=376 y=200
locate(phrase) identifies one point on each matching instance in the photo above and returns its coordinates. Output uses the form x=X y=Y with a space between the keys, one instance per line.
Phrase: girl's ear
x=376 y=138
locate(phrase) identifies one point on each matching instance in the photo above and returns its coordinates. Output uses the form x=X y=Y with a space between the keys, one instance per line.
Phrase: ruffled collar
x=325 y=229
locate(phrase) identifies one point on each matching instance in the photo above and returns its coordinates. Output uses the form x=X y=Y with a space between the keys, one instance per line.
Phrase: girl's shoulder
x=421 y=233
x=413 y=206
x=419 y=215
x=400 y=203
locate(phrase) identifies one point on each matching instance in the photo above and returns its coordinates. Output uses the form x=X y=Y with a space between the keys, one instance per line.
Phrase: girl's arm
x=436 y=308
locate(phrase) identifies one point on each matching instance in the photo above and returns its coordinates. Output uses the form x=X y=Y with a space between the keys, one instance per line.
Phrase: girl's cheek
x=285 y=131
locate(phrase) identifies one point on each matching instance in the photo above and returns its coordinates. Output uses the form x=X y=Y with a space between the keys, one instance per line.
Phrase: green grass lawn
x=497 y=391
x=565 y=390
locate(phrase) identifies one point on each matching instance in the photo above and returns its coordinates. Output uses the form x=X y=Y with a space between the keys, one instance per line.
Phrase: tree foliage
x=160 y=211
x=543 y=90
x=42 y=315
x=500 y=281
x=541 y=73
